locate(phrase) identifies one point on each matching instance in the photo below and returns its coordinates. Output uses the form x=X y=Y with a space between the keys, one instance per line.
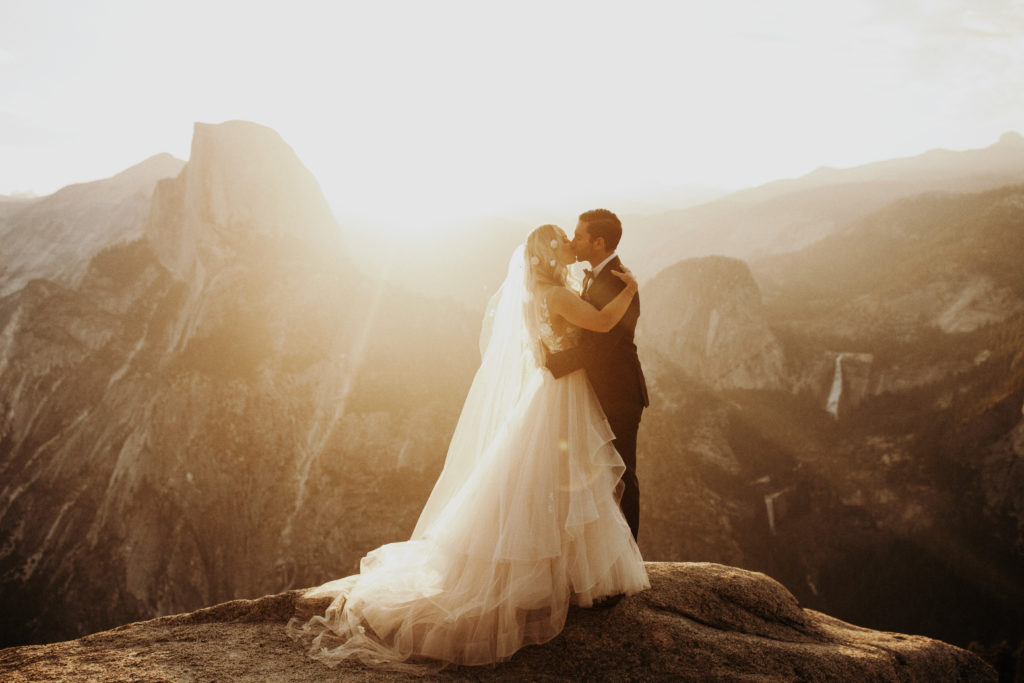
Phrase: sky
x=419 y=113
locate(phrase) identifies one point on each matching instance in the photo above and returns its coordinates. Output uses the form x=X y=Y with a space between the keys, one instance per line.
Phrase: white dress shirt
x=602 y=264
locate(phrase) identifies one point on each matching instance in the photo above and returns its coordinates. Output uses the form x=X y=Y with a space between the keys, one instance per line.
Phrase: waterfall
x=7 y=340
x=709 y=340
x=769 y=506
x=832 y=404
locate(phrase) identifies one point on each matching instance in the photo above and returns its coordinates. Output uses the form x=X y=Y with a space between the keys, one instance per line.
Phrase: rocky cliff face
x=698 y=622
x=55 y=237
x=878 y=455
x=197 y=417
x=708 y=319
x=935 y=261
x=243 y=183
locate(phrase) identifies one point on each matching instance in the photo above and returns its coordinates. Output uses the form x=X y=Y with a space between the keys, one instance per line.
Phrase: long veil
x=509 y=360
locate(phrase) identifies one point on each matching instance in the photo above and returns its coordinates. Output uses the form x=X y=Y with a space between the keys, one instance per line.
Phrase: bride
x=524 y=518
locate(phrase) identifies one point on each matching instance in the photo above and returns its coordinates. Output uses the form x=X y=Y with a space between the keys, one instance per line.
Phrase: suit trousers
x=625 y=422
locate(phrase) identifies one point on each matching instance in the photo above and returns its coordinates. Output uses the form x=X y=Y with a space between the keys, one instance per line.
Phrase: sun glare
x=414 y=115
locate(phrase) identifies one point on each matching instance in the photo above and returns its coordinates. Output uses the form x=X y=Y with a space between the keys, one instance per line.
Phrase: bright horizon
x=416 y=114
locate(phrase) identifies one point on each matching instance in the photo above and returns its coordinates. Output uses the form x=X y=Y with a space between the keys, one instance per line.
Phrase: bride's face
x=565 y=253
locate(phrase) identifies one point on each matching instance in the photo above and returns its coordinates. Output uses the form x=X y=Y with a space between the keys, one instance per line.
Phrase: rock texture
x=56 y=237
x=911 y=480
x=698 y=622
x=204 y=413
x=707 y=317
x=243 y=183
x=946 y=262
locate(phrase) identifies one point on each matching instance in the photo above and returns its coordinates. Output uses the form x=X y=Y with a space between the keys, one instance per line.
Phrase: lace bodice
x=556 y=334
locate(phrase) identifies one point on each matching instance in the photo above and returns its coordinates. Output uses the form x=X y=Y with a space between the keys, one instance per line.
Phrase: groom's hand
x=547 y=357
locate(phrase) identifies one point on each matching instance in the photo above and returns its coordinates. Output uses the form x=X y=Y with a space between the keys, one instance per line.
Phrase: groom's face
x=581 y=244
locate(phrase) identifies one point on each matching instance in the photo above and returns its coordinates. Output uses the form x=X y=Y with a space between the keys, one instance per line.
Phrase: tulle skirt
x=533 y=525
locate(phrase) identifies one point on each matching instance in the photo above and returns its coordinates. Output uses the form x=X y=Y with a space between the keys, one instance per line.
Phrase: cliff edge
x=697 y=622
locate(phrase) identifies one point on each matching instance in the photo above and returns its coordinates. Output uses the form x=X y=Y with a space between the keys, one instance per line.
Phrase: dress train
x=533 y=525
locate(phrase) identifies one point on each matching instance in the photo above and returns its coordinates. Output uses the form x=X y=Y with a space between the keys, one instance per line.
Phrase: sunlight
x=414 y=116
x=238 y=381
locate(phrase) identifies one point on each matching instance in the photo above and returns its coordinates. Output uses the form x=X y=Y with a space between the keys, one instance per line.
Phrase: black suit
x=613 y=369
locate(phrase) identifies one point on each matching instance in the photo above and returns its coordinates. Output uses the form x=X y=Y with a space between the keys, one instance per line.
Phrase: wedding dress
x=522 y=521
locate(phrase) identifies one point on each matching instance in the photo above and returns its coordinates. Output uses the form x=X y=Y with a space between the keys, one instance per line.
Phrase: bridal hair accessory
x=552 y=263
x=534 y=260
x=554 y=245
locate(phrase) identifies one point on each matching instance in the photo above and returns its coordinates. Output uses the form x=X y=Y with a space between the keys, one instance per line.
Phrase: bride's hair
x=542 y=257
x=544 y=268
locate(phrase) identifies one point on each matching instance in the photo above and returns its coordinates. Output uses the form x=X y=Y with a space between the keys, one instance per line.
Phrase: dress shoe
x=608 y=601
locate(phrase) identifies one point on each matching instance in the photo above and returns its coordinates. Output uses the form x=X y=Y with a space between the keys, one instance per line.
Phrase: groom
x=609 y=358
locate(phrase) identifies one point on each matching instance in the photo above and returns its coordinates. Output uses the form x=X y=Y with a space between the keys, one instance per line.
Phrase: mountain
x=789 y=215
x=55 y=237
x=970 y=170
x=698 y=622
x=710 y=322
x=12 y=203
x=233 y=402
x=879 y=476
x=948 y=262
x=964 y=171
x=204 y=413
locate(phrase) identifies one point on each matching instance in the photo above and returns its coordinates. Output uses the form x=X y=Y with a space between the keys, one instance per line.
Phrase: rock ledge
x=698 y=622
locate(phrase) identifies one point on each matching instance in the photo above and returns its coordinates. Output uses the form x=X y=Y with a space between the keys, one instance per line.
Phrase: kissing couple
x=537 y=505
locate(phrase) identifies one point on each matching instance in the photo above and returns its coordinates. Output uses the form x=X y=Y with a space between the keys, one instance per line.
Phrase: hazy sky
x=462 y=108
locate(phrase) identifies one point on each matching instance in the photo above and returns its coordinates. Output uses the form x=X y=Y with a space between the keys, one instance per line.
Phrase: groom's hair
x=603 y=223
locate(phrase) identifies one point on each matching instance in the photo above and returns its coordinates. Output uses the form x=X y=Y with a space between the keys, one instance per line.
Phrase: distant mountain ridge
x=1000 y=160
x=788 y=215
x=950 y=261
x=55 y=236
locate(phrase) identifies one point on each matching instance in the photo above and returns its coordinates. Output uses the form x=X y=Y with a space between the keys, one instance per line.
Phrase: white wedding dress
x=522 y=521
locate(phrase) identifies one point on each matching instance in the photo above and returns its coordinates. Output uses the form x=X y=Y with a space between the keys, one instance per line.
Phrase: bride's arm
x=565 y=303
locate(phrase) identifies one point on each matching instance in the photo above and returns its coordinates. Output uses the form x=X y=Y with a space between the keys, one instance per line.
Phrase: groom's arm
x=599 y=348
x=595 y=347
x=561 y=363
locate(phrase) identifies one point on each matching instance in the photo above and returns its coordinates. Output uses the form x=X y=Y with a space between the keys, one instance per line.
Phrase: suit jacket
x=609 y=358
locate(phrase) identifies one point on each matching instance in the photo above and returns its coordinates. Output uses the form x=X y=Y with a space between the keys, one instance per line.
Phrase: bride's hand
x=626 y=275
